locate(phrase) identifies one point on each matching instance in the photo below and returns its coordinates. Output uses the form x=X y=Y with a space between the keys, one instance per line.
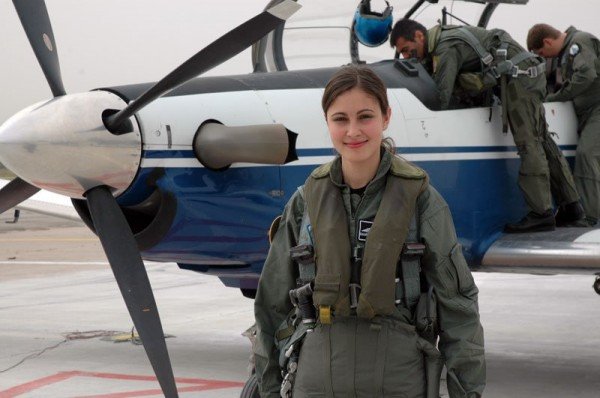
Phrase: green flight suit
x=461 y=336
x=544 y=171
x=580 y=70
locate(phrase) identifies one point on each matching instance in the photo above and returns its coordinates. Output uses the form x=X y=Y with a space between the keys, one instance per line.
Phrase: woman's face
x=356 y=126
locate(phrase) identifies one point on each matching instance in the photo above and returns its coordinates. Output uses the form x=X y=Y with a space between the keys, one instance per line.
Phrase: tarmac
x=65 y=331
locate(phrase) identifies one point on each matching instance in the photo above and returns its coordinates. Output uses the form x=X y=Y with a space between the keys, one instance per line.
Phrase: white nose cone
x=61 y=145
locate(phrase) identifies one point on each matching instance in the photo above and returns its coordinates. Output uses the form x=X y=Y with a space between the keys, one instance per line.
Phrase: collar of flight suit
x=570 y=33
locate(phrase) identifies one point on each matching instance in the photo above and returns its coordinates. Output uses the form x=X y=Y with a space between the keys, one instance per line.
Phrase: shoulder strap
x=469 y=38
x=305 y=237
x=306 y=271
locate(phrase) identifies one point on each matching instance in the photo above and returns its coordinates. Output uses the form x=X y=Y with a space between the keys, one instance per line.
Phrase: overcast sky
x=113 y=42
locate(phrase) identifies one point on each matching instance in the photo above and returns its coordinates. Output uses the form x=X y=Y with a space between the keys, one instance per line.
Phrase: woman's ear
x=387 y=117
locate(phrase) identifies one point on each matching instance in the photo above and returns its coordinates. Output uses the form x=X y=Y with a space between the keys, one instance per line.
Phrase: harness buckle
x=358 y=252
x=286 y=386
x=502 y=53
x=302 y=254
x=289 y=351
x=488 y=59
x=533 y=72
x=325 y=314
x=413 y=249
x=399 y=287
x=515 y=71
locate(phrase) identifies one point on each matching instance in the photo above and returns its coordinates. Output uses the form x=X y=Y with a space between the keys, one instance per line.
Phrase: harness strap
x=408 y=283
x=307 y=271
x=522 y=56
x=510 y=67
x=471 y=40
x=505 y=66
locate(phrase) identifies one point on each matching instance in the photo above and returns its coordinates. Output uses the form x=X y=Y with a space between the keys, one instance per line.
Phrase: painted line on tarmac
x=197 y=384
x=25 y=262
x=8 y=262
x=49 y=240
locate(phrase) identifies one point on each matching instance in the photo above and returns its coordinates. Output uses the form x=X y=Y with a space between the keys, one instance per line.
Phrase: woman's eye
x=365 y=116
x=339 y=119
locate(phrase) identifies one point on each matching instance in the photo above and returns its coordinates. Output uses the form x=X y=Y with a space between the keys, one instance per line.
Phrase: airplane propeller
x=219 y=51
x=127 y=266
x=36 y=22
x=14 y=193
x=109 y=222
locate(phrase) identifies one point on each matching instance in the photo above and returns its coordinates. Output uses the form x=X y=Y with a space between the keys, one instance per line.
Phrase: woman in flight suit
x=356 y=213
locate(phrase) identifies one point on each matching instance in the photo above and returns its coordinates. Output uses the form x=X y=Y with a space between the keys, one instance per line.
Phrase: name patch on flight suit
x=364 y=226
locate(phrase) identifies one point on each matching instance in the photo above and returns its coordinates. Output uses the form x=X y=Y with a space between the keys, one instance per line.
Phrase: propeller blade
x=219 y=51
x=36 y=22
x=14 y=193
x=127 y=265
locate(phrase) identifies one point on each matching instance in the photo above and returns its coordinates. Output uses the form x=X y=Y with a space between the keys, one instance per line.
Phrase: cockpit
x=324 y=35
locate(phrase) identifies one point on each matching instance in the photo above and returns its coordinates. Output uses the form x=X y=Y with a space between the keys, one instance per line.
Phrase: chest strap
x=408 y=278
x=498 y=65
x=468 y=38
x=510 y=67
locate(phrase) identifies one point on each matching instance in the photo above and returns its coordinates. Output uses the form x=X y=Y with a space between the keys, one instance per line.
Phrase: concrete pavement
x=59 y=306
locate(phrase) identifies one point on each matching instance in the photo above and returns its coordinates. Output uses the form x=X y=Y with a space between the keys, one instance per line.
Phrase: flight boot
x=571 y=215
x=533 y=222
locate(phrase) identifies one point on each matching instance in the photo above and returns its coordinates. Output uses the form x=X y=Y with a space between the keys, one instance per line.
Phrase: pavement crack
x=67 y=337
x=34 y=355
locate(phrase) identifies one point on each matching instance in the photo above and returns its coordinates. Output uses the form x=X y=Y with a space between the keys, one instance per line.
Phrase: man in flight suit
x=579 y=59
x=452 y=53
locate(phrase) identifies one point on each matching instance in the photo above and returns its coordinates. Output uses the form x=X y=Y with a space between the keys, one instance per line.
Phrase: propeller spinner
x=64 y=145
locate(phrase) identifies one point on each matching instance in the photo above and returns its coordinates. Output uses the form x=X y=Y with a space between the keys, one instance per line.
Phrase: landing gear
x=596 y=284
x=250 y=389
x=16 y=215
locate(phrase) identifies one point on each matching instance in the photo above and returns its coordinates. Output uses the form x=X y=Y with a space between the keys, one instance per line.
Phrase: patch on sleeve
x=574 y=50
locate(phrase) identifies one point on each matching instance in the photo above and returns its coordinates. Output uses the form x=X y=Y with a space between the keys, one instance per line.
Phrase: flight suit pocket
x=464 y=278
x=309 y=379
x=461 y=284
x=404 y=369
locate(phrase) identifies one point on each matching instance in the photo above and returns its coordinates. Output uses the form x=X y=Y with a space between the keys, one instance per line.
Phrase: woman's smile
x=356 y=145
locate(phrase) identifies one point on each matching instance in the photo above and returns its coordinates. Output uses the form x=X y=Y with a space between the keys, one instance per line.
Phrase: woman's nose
x=353 y=129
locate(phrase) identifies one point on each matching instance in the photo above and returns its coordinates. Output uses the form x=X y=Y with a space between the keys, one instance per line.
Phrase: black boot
x=533 y=222
x=571 y=215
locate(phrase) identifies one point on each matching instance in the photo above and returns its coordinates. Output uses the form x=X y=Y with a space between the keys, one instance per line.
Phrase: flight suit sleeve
x=272 y=303
x=461 y=333
x=583 y=74
x=446 y=63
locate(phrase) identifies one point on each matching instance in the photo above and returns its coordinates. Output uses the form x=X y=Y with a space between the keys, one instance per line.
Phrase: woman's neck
x=358 y=175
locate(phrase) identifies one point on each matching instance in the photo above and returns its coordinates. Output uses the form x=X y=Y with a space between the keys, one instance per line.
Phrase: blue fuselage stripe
x=184 y=154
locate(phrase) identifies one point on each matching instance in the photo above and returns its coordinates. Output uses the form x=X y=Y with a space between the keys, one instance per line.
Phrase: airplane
x=194 y=170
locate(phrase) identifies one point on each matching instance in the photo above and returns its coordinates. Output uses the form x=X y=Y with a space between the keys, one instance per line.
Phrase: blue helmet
x=372 y=28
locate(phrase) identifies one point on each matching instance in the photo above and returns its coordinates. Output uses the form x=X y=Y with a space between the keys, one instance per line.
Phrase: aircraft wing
x=48 y=203
x=565 y=250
